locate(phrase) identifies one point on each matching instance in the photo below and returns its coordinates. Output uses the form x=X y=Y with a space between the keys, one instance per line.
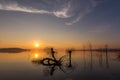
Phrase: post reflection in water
x=101 y=58
x=107 y=59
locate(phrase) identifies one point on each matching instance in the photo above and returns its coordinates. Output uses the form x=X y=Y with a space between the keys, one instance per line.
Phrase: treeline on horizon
x=13 y=50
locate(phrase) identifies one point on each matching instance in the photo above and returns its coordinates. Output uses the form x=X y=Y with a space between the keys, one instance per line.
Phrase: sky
x=59 y=23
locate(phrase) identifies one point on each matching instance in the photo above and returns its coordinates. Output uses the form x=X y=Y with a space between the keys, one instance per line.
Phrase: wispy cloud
x=86 y=9
x=75 y=9
x=14 y=6
x=62 y=13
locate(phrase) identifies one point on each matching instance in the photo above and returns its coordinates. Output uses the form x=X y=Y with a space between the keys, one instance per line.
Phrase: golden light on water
x=36 y=55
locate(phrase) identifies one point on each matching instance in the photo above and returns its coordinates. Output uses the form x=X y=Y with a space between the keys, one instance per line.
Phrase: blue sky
x=69 y=23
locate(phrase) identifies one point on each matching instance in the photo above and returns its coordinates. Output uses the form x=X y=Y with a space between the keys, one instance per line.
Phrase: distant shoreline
x=13 y=50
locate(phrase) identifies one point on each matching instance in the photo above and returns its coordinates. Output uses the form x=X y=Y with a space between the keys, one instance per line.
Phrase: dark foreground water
x=75 y=66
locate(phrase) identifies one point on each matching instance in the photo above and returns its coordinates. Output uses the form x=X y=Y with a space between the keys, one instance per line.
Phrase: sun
x=37 y=45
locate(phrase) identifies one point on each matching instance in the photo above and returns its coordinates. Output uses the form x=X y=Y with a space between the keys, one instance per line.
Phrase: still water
x=78 y=65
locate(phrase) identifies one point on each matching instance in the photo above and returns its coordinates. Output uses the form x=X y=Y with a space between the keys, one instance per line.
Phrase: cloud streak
x=86 y=9
x=75 y=9
x=16 y=7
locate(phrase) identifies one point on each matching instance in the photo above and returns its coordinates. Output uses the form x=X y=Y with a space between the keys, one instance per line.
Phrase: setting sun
x=36 y=45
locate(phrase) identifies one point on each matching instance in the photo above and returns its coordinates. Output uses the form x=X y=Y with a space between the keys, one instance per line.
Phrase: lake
x=79 y=65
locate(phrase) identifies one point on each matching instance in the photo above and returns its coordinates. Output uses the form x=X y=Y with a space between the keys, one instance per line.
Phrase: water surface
x=79 y=65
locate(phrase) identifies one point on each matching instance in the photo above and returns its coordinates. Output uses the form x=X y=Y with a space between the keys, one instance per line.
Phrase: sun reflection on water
x=36 y=55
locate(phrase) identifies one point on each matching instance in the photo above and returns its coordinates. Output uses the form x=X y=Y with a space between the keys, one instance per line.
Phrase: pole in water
x=107 y=62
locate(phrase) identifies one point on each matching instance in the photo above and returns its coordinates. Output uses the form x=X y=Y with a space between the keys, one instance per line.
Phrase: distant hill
x=13 y=50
